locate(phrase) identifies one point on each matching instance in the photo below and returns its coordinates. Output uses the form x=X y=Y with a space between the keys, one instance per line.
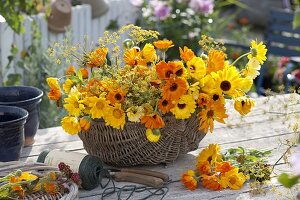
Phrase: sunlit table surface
x=268 y=126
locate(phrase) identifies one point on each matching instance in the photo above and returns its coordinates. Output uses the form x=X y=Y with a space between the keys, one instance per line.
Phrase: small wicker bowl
x=130 y=147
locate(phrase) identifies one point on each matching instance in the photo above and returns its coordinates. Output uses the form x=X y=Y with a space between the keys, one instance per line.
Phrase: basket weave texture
x=130 y=147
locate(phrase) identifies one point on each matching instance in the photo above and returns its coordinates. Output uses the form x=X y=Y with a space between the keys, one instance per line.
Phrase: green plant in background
x=296 y=22
x=14 y=10
x=184 y=21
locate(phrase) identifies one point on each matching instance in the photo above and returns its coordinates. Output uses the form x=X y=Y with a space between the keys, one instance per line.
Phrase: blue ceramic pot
x=28 y=98
x=12 y=120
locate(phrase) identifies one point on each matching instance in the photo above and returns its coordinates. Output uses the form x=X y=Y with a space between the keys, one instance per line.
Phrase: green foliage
x=14 y=10
x=288 y=181
x=251 y=162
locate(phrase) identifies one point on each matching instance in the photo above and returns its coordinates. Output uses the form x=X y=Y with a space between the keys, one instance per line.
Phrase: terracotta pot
x=60 y=16
x=99 y=7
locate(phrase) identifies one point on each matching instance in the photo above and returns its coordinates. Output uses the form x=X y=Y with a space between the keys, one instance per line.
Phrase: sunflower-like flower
x=131 y=56
x=134 y=113
x=178 y=69
x=243 y=105
x=209 y=114
x=165 y=105
x=228 y=81
x=258 y=51
x=55 y=93
x=116 y=96
x=70 y=125
x=189 y=179
x=97 y=57
x=153 y=135
x=115 y=116
x=98 y=106
x=68 y=85
x=210 y=154
x=74 y=105
x=186 y=54
x=233 y=179
x=153 y=121
x=174 y=89
x=196 y=68
x=164 y=71
x=216 y=61
x=252 y=69
x=184 y=107
x=163 y=45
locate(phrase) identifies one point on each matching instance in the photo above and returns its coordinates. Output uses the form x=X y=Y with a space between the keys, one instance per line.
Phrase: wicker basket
x=130 y=146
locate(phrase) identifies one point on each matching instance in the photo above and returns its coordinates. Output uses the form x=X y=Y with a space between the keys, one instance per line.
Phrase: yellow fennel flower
x=258 y=51
x=70 y=125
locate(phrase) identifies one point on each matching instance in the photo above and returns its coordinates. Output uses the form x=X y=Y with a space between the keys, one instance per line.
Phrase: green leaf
x=79 y=74
x=13 y=79
x=296 y=22
x=287 y=181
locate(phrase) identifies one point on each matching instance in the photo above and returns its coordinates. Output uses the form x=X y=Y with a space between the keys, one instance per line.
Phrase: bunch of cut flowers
x=136 y=82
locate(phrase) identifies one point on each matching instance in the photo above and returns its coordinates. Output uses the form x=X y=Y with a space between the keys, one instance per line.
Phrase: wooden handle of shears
x=138 y=178
x=160 y=175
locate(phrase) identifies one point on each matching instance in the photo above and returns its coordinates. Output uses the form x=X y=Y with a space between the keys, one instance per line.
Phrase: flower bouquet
x=130 y=105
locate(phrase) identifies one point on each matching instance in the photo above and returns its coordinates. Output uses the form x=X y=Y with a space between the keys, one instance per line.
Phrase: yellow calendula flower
x=55 y=93
x=243 y=105
x=115 y=116
x=98 y=106
x=196 y=68
x=74 y=105
x=134 y=113
x=68 y=85
x=228 y=81
x=245 y=86
x=252 y=69
x=71 y=125
x=53 y=83
x=258 y=51
x=186 y=54
x=148 y=53
x=211 y=154
x=216 y=61
x=184 y=107
x=233 y=179
x=194 y=90
x=163 y=45
x=153 y=135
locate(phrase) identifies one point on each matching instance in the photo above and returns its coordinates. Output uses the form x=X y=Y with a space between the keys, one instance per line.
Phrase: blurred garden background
x=30 y=28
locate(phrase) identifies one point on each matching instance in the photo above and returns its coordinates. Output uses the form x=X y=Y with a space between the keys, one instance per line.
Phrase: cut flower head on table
x=136 y=83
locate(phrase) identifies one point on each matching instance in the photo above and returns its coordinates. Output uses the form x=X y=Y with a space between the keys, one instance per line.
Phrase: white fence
x=81 y=24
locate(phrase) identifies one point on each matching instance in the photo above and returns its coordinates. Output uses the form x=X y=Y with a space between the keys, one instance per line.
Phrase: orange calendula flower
x=208 y=115
x=97 y=57
x=223 y=166
x=165 y=105
x=164 y=71
x=233 y=179
x=84 y=73
x=186 y=54
x=177 y=68
x=189 y=180
x=163 y=45
x=216 y=61
x=84 y=124
x=71 y=70
x=210 y=154
x=211 y=182
x=203 y=167
x=153 y=121
x=203 y=99
x=116 y=96
x=174 y=89
x=55 y=93
x=50 y=188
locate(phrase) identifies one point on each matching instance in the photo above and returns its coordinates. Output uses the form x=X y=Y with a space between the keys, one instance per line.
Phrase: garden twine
x=92 y=172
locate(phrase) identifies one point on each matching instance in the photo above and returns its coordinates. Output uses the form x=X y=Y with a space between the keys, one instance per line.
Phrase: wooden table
x=266 y=127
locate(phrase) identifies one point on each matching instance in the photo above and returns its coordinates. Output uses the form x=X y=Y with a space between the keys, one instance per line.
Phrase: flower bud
x=128 y=44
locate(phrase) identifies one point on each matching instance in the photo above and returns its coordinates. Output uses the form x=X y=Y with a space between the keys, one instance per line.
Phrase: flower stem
x=246 y=54
x=163 y=55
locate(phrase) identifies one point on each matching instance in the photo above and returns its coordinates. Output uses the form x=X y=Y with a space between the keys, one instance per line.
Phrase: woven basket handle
x=138 y=178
